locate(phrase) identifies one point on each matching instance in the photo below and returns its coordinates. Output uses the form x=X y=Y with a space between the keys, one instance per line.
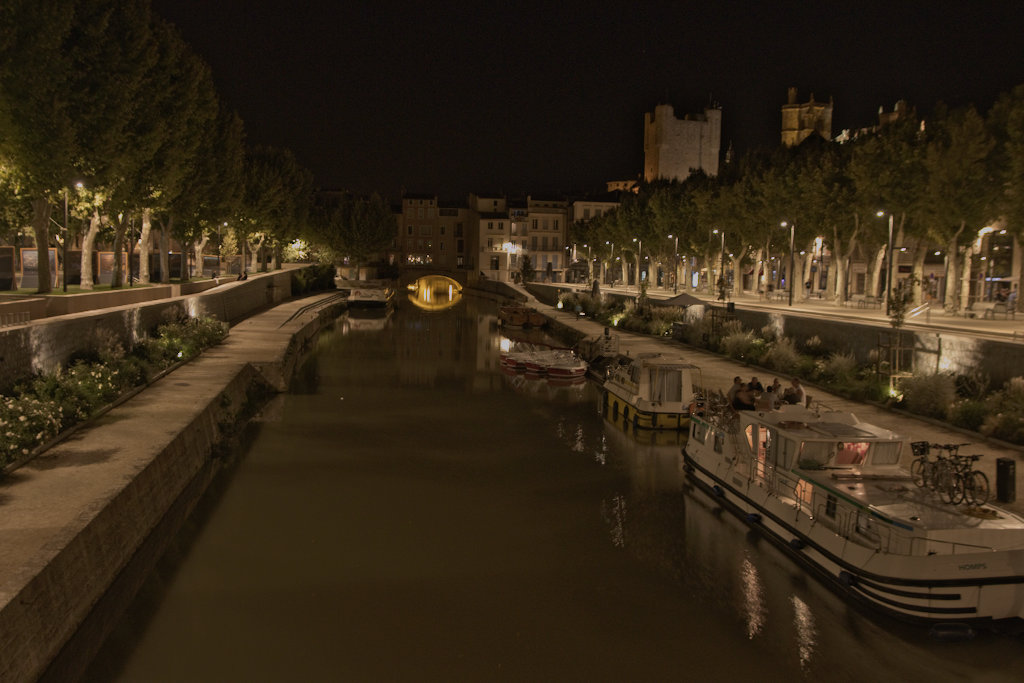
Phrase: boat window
x=887 y=453
x=700 y=431
x=666 y=386
x=751 y=432
x=851 y=453
x=634 y=374
x=719 y=442
x=814 y=454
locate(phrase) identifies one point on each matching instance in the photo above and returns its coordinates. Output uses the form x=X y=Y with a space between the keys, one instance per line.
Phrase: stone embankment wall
x=44 y=345
x=53 y=625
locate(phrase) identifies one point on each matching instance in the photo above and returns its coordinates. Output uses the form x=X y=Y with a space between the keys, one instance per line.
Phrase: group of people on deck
x=753 y=395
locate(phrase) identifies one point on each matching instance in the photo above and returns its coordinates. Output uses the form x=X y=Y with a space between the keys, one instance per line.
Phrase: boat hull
x=981 y=587
x=622 y=410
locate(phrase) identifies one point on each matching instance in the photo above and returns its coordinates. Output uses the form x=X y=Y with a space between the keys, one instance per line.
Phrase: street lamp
x=639 y=255
x=789 y=275
x=888 y=264
x=721 y=269
x=64 y=245
x=675 y=265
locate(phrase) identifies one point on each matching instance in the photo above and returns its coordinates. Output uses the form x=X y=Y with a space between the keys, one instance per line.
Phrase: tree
x=38 y=134
x=958 y=197
x=526 y=271
x=353 y=228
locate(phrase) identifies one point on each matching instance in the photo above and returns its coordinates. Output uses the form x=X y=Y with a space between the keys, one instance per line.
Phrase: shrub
x=782 y=355
x=929 y=395
x=40 y=409
x=1005 y=412
x=737 y=345
x=840 y=368
x=968 y=413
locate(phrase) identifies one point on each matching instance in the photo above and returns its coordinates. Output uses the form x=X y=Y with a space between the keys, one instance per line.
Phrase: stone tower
x=673 y=148
x=801 y=120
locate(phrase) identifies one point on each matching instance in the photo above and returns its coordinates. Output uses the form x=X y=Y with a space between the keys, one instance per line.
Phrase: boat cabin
x=794 y=437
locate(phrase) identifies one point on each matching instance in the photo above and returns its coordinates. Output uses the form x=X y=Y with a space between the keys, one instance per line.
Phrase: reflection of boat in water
x=652 y=391
x=369 y=293
x=828 y=489
x=654 y=464
x=543 y=361
x=521 y=316
x=367 y=319
x=551 y=388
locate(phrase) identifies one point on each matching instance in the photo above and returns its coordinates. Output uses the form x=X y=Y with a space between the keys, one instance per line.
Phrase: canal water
x=408 y=512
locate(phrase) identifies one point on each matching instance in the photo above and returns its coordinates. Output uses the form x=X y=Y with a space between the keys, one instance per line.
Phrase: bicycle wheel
x=949 y=486
x=917 y=471
x=976 y=489
x=938 y=475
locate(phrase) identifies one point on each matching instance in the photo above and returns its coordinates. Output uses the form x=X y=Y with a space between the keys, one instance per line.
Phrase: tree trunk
x=165 y=250
x=41 y=210
x=117 y=280
x=145 y=237
x=88 y=242
x=198 y=251
x=184 y=275
x=920 y=251
x=964 y=299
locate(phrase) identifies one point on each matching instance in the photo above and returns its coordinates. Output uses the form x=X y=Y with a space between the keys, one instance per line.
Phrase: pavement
x=717 y=372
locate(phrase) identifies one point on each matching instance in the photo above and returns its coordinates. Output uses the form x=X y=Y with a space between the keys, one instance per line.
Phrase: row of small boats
x=535 y=359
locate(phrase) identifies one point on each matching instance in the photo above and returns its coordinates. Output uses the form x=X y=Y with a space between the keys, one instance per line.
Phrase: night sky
x=450 y=98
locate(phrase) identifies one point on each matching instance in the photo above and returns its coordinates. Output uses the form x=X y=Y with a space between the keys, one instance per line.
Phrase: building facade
x=802 y=120
x=674 y=148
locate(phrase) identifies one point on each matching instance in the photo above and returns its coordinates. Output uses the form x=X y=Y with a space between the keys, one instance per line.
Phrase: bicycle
x=928 y=473
x=921 y=467
x=966 y=483
x=940 y=475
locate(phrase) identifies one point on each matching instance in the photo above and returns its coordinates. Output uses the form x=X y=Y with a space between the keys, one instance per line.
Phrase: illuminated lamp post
x=721 y=268
x=639 y=255
x=675 y=265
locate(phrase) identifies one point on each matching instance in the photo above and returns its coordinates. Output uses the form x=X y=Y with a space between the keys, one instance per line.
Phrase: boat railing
x=849 y=520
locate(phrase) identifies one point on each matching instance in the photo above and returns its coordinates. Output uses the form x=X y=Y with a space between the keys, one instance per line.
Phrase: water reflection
x=444 y=523
x=753 y=597
x=803 y=620
x=435 y=292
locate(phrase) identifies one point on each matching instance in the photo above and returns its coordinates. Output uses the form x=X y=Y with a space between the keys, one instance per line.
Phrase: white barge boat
x=652 y=391
x=829 y=490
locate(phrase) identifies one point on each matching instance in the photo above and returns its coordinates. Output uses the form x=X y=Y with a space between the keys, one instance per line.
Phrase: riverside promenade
x=105 y=498
x=717 y=373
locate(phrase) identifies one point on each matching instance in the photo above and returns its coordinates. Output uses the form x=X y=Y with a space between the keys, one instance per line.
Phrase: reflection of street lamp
x=789 y=275
x=675 y=265
x=888 y=264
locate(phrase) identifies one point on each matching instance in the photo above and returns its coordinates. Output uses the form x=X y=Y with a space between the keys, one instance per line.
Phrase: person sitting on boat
x=744 y=398
x=756 y=386
x=795 y=394
x=777 y=387
x=737 y=384
x=769 y=400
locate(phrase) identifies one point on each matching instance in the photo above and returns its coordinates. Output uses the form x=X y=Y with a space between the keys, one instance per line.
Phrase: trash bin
x=1006 y=480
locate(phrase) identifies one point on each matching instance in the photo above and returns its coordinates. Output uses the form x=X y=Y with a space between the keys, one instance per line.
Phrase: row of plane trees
x=942 y=183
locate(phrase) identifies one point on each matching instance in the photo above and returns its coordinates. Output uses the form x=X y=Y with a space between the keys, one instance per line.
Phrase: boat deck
x=898 y=498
